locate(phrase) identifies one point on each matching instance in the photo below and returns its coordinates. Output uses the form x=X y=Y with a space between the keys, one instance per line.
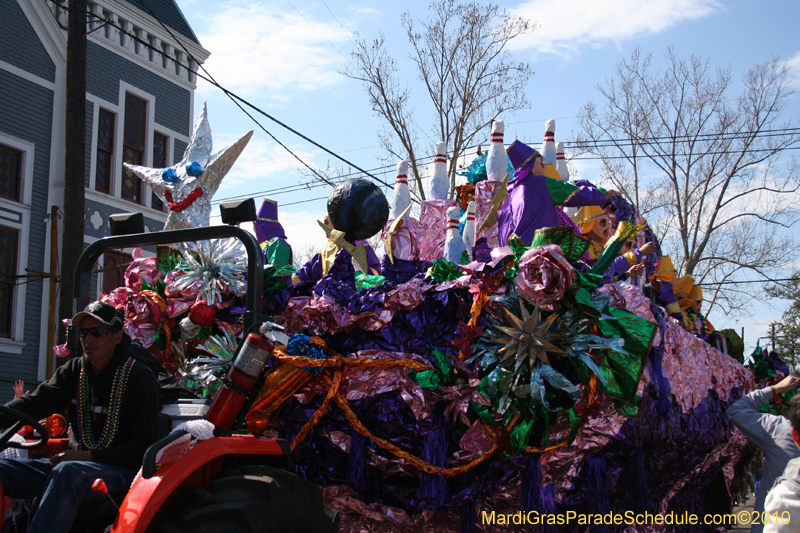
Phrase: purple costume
x=531 y=200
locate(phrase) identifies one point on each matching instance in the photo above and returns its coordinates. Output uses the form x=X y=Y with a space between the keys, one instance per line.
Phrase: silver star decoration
x=206 y=175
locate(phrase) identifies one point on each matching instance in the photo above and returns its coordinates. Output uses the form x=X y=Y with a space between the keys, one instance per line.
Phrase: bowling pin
x=401 y=197
x=453 y=243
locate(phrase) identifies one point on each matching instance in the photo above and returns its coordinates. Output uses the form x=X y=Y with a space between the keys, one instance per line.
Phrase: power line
x=337 y=21
x=234 y=97
x=315 y=28
x=733 y=282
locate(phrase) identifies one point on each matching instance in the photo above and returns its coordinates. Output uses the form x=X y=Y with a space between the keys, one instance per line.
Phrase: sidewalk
x=748 y=505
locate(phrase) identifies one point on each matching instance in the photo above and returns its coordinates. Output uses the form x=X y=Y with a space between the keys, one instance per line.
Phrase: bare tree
x=786 y=332
x=461 y=58
x=705 y=167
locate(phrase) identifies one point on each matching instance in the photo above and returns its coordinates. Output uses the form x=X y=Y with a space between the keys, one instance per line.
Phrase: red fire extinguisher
x=241 y=379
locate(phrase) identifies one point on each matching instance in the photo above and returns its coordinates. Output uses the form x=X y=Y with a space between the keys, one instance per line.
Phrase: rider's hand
x=647 y=248
x=636 y=270
x=786 y=384
x=71 y=455
x=18 y=387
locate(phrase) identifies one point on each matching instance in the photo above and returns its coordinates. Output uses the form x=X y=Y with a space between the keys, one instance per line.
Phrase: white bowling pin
x=440 y=183
x=548 y=150
x=453 y=243
x=401 y=197
x=496 y=165
x=561 y=163
x=469 y=227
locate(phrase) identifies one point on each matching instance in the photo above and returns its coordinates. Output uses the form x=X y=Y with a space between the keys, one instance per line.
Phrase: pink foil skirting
x=404 y=241
x=691 y=366
x=433 y=228
x=484 y=193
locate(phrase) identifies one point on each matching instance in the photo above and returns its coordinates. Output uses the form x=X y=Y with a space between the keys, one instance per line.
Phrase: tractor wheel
x=258 y=499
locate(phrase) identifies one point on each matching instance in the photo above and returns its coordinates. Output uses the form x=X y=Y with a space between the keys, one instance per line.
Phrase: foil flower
x=522 y=365
x=144 y=313
x=544 y=276
x=212 y=268
x=203 y=374
x=141 y=270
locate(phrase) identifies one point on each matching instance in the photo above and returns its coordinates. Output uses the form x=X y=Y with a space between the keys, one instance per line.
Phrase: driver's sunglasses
x=97 y=333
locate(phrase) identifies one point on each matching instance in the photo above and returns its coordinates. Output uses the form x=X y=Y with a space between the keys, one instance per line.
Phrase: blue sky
x=286 y=58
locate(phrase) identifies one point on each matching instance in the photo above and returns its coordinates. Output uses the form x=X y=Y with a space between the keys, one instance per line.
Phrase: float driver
x=113 y=405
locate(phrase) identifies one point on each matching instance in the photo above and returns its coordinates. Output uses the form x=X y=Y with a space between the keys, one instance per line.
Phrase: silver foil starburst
x=188 y=186
x=212 y=268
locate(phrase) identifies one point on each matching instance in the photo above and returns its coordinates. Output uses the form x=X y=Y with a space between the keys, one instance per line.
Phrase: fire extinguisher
x=241 y=378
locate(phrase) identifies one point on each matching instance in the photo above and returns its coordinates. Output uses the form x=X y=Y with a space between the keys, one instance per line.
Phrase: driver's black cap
x=102 y=312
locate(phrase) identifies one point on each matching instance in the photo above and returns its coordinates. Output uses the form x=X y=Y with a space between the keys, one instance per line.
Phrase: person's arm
x=142 y=410
x=48 y=398
x=760 y=428
x=782 y=499
x=574 y=195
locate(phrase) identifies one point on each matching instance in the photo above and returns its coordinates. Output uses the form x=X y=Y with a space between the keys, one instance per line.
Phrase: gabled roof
x=168 y=12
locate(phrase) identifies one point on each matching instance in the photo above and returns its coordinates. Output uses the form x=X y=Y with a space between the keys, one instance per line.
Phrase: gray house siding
x=180 y=147
x=21 y=47
x=26 y=112
x=105 y=69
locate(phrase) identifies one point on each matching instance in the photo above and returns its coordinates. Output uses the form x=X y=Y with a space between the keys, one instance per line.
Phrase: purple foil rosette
x=433 y=228
x=544 y=276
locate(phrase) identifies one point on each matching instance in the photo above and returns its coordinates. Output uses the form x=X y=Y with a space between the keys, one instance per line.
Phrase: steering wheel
x=22 y=420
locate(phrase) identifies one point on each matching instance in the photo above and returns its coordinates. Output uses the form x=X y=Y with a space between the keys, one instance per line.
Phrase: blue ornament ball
x=194 y=169
x=169 y=175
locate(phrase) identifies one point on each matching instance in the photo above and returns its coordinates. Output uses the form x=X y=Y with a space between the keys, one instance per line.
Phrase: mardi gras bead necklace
x=86 y=436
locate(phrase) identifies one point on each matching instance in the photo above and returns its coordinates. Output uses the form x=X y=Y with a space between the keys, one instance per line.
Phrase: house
x=139 y=109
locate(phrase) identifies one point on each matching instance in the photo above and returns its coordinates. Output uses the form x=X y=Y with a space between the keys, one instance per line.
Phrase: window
x=115 y=263
x=160 y=147
x=133 y=145
x=105 y=150
x=10 y=172
x=9 y=239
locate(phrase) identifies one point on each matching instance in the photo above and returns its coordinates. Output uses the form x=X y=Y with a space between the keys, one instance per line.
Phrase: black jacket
x=138 y=424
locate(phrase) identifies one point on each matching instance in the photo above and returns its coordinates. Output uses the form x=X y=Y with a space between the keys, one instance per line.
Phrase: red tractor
x=232 y=482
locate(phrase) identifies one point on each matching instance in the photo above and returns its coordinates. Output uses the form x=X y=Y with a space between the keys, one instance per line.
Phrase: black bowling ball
x=358 y=208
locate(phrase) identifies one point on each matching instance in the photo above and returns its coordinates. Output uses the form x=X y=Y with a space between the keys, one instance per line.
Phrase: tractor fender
x=179 y=471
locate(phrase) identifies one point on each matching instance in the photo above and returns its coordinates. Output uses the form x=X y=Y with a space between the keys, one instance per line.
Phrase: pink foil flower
x=143 y=317
x=118 y=297
x=141 y=269
x=544 y=276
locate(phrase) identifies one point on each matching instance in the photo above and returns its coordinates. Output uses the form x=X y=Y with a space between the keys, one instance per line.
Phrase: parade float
x=468 y=379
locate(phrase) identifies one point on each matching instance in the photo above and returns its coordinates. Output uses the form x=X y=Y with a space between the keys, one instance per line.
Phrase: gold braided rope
x=338 y=361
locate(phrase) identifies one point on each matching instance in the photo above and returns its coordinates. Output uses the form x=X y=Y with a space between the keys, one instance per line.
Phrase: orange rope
x=337 y=362
x=333 y=390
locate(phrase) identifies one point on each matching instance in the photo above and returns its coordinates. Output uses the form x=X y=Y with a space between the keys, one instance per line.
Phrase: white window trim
x=125 y=87
x=23 y=207
x=114 y=198
x=98 y=103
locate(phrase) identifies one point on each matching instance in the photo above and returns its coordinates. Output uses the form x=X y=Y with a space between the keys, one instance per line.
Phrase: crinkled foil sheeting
x=692 y=366
x=484 y=194
x=433 y=228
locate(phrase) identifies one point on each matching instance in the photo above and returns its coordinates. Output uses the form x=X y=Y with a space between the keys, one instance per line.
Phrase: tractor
x=233 y=481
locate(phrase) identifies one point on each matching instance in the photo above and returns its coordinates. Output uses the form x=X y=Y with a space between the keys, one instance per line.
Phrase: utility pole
x=74 y=161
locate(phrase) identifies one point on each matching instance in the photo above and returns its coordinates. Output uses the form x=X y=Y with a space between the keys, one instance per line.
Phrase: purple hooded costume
x=531 y=200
